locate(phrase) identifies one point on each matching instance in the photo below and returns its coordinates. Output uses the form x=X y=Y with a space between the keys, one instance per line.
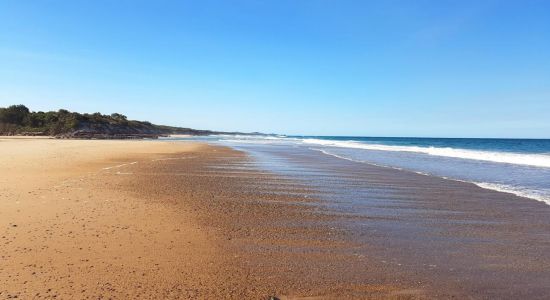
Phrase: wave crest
x=535 y=160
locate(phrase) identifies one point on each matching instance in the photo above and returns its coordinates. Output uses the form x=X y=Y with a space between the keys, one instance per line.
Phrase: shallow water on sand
x=518 y=166
x=452 y=237
x=442 y=231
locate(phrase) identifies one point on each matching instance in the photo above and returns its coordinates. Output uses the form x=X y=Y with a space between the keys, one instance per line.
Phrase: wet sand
x=440 y=238
x=152 y=220
x=162 y=220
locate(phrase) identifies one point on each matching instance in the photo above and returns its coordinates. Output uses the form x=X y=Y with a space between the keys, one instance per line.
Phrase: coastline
x=150 y=219
x=445 y=238
x=158 y=219
x=483 y=185
x=515 y=166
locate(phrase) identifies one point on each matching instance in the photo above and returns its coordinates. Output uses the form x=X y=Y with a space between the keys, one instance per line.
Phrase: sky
x=364 y=68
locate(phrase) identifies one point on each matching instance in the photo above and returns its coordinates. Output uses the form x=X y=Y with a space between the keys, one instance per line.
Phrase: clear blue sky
x=378 y=68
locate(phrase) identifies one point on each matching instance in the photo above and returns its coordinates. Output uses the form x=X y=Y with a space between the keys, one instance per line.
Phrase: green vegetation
x=19 y=120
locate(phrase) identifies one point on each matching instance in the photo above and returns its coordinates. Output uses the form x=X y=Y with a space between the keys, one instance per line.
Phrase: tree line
x=18 y=119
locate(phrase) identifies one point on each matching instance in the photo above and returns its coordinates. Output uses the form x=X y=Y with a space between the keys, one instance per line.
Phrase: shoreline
x=495 y=244
x=160 y=219
x=488 y=186
x=131 y=219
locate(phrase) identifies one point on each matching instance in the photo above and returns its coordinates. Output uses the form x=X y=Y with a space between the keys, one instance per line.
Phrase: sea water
x=518 y=166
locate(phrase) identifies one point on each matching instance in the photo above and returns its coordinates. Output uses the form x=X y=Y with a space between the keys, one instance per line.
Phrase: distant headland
x=19 y=120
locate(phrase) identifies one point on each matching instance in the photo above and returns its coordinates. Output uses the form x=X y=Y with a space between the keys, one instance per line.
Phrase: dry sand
x=158 y=220
x=67 y=231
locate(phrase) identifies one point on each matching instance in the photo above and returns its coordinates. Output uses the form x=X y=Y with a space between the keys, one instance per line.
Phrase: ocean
x=517 y=166
x=439 y=211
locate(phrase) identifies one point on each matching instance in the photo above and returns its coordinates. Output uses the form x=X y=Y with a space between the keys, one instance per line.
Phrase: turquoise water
x=518 y=166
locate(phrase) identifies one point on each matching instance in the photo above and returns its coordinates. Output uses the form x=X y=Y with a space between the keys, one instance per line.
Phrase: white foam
x=359 y=161
x=514 y=190
x=489 y=186
x=248 y=141
x=422 y=173
x=535 y=160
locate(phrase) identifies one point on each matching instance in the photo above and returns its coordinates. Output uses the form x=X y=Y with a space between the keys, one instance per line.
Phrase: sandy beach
x=149 y=220
x=70 y=231
x=89 y=219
